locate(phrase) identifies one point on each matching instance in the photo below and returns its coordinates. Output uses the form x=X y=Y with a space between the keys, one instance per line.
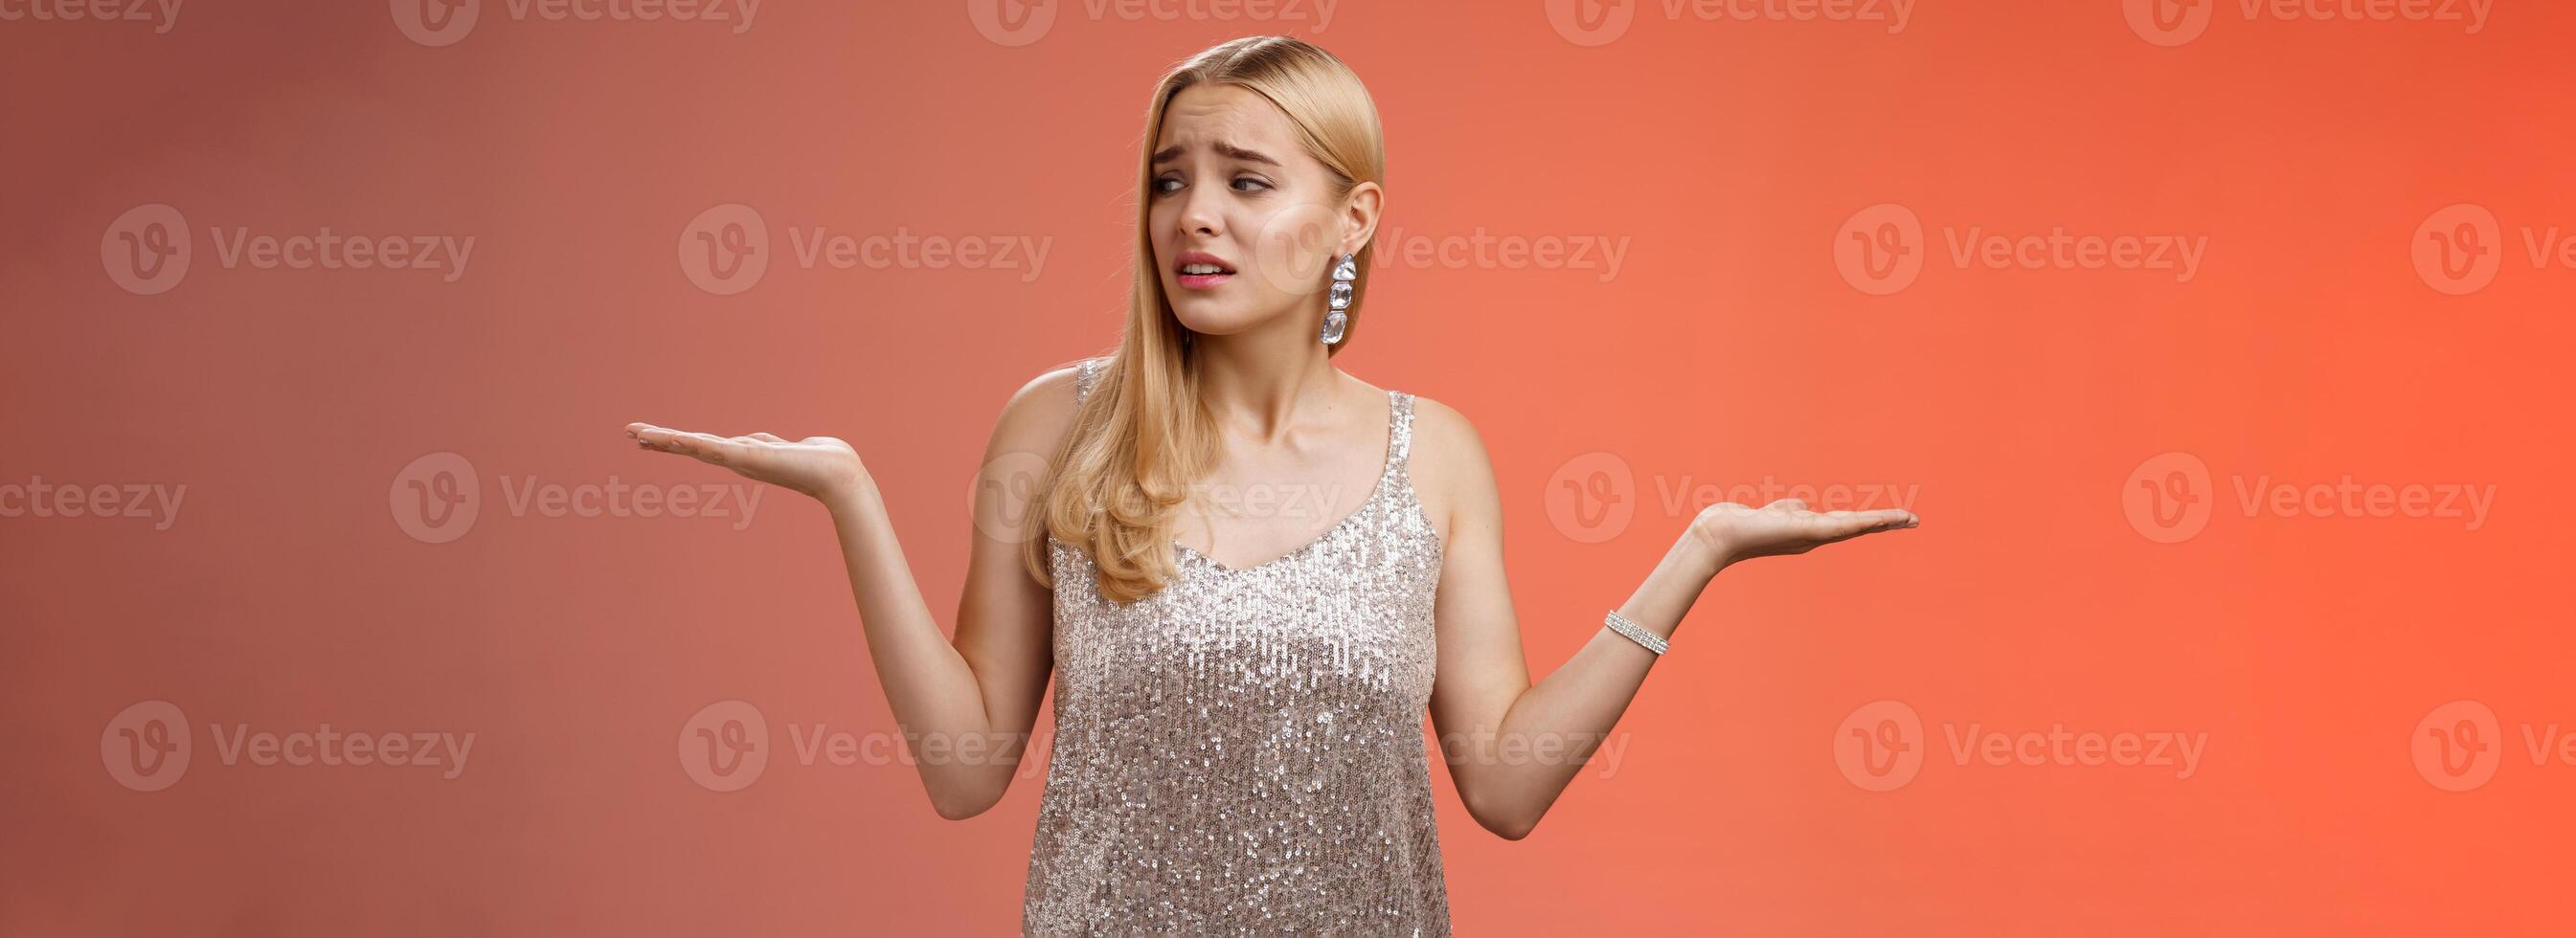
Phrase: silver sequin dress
x=1242 y=752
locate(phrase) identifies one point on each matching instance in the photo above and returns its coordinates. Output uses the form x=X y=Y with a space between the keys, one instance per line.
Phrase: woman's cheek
x=1294 y=248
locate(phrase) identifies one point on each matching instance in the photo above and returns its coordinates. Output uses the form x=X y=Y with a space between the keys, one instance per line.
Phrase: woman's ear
x=1359 y=216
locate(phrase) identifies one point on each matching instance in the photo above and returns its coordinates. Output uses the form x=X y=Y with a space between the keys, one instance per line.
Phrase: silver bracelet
x=1620 y=624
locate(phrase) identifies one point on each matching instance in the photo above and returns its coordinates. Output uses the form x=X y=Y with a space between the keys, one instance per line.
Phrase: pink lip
x=1200 y=281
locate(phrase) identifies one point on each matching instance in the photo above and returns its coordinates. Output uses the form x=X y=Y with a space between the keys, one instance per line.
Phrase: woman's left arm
x=1512 y=746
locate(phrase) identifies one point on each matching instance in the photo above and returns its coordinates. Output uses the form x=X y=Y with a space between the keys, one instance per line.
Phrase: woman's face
x=1246 y=224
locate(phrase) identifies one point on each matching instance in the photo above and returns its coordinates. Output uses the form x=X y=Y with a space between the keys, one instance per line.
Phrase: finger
x=710 y=448
x=1850 y=524
x=1788 y=504
x=768 y=438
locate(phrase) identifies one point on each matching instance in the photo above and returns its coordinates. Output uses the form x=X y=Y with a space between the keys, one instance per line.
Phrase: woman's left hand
x=1741 y=532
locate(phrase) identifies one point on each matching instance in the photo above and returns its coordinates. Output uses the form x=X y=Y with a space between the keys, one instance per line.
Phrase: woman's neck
x=1258 y=384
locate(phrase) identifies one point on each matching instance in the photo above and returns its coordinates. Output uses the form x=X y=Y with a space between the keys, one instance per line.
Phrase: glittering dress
x=1242 y=752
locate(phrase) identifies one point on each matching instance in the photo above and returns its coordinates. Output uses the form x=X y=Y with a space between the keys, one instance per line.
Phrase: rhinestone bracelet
x=1620 y=624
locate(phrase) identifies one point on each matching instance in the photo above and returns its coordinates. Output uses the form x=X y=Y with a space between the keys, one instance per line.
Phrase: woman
x=1239 y=690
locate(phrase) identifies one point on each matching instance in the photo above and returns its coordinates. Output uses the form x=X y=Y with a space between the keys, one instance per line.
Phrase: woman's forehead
x=1205 y=114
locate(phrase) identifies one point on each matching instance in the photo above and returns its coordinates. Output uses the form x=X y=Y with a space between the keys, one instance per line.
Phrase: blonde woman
x=1248 y=571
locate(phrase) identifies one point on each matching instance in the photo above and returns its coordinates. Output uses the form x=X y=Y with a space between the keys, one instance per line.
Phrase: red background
x=1726 y=349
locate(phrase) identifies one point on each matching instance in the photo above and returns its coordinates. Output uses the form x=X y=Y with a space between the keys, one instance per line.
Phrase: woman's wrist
x=1703 y=548
x=855 y=498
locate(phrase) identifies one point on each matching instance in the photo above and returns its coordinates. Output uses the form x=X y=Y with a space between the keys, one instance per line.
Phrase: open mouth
x=1197 y=271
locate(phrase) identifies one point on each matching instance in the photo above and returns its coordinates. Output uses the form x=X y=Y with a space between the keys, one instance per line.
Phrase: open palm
x=819 y=466
x=1786 y=526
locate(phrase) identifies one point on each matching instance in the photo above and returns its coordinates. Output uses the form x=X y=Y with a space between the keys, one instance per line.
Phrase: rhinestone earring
x=1340 y=300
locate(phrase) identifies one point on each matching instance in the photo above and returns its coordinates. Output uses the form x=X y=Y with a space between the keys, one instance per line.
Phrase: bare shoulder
x=1451 y=469
x=1038 y=414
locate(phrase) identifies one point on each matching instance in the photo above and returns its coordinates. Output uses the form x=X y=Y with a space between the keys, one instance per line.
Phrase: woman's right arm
x=965 y=706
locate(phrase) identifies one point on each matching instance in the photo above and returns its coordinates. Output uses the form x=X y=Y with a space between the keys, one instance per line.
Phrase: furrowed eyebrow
x=1167 y=154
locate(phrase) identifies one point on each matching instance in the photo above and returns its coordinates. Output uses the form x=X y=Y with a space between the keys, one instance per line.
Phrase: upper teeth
x=1201 y=269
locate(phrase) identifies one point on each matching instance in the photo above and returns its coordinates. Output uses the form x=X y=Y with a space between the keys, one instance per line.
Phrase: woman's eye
x=1171 y=184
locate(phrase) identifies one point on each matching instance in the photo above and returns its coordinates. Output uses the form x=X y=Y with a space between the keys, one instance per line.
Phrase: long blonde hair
x=1142 y=436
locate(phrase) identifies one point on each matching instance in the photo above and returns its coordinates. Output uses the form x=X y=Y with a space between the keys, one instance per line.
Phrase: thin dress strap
x=1083 y=375
x=1399 y=429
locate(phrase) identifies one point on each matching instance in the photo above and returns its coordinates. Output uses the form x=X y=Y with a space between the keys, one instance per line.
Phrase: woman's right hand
x=820 y=466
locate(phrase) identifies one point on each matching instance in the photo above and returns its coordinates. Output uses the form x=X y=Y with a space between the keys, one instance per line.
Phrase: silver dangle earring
x=1340 y=300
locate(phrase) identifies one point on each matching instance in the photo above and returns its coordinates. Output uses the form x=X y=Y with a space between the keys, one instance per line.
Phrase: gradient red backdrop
x=2361 y=219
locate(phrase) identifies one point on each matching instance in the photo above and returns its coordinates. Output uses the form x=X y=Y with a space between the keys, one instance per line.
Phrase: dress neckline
x=1386 y=472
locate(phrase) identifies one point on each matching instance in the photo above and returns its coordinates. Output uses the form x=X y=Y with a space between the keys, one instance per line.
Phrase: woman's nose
x=1203 y=212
